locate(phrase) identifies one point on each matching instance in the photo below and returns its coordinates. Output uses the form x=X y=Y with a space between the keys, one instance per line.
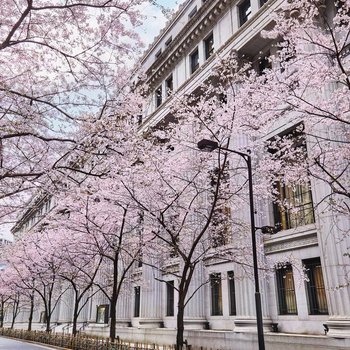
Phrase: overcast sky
x=155 y=19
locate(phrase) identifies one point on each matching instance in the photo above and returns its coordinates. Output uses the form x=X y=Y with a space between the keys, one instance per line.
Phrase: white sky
x=155 y=20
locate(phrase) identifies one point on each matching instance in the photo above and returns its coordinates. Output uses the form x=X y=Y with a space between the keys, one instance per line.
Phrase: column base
x=192 y=323
x=248 y=325
x=122 y=323
x=338 y=328
x=151 y=323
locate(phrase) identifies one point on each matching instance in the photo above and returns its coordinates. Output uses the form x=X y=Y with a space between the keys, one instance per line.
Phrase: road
x=9 y=344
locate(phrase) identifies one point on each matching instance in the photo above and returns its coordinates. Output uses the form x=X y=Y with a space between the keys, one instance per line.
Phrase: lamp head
x=207 y=145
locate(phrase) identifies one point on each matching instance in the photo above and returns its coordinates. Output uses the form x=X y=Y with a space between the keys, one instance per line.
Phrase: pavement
x=11 y=344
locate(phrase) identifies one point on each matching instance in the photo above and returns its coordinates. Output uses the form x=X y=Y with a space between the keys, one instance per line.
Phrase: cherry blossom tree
x=34 y=267
x=62 y=64
x=79 y=266
x=187 y=197
x=101 y=212
x=308 y=85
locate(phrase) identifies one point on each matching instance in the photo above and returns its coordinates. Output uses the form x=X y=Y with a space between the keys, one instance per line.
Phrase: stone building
x=313 y=314
x=295 y=314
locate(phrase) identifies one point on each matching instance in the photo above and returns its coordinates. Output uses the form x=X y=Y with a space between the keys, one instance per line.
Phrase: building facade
x=297 y=313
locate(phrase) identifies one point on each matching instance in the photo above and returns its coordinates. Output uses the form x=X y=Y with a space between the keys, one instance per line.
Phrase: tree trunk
x=2 y=313
x=180 y=323
x=31 y=312
x=113 y=316
x=48 y=322
x=114 y=298
x=14 y=313
x=75 y=318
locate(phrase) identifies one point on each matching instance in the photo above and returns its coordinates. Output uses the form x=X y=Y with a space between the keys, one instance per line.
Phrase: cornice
x=299 y=238
x=164 y=31
x=33 y=205
x=199 y=24
x=266 y=8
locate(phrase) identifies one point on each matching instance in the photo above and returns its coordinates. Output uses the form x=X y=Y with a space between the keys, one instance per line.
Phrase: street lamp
x=209 y=146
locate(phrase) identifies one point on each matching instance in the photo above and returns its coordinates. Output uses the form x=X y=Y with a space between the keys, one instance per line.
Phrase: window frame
x=297 y=195
x=158 y=53
x=194 y=67
x=208 y=49
x=168 y=41
x=262 y=2
x=102 y=310
x=170 y=298
x=243 y=11
x=158 y=96
x=193 y=12
x=287 y=302
x=137 y=301
x=313 y=298
x=215 y=294
x=231 y=293
x=168 y=90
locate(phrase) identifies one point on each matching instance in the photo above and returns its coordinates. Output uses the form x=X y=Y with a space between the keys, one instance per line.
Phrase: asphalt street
x=9 y=344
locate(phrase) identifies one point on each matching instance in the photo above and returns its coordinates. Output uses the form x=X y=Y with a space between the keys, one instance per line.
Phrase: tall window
x=298 y=210
x=169 y=85
x=232 y=292
x=137 y=300
x=315 y=287
x=221 y=229
x=245 y=11
x=102 y=314
x=170 y=298
x=194 y=61
x=209 y=46
x=286 y=291
x=192 y=13
x=216 y=294
x=159 y=96
x=158 y=53
x=293 y=206
x=169 y=40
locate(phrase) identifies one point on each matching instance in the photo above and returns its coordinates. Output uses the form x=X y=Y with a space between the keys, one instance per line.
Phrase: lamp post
x=209 y=146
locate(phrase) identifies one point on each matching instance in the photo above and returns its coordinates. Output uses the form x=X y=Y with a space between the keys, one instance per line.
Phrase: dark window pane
x=159 y=96
x=102 y=314
x=137 y=299
x=194 y=61
x=315 y=287
x=170 y=39
x=286 y=291
x=193 y=12
x=216 y=294
x=170 y=298
x=232 y=292
x=245 y=11
x=169 y=85
x=158 y=53
x=209 y=46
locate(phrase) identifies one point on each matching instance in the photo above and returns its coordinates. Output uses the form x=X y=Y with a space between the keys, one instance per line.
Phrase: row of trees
x=122 y=197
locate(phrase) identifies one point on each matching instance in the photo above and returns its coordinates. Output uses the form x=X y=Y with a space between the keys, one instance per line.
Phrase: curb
x=34 y=342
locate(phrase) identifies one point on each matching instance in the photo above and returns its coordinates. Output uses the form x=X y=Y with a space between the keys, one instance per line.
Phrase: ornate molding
x=171 y=267
x=290 y=242
x=185 y=38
